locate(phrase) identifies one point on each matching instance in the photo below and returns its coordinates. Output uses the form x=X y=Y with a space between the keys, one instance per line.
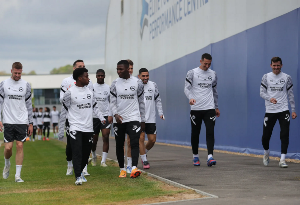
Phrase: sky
x=47 y=34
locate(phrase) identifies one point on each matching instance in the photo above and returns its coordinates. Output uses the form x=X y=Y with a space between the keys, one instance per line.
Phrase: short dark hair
x=124 y=62
x=143 y=70
x=100 y=71
x=276 y=59
x=17 y=65
x=79 y=72
x=130 y=62
x=48 y=109
x=54 y=106
x=40 y=108
x=74 y=64
x=206 y=56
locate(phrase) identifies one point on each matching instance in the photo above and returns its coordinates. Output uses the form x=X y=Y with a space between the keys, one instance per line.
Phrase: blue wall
x=240 y=62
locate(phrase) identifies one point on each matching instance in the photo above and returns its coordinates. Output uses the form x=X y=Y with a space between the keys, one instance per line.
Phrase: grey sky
x=43 y=34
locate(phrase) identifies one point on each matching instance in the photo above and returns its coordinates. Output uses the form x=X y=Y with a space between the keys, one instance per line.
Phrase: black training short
x=97 y=125
x=40 y=126
x=150 y=128
x=55 y=124
x=14 y=132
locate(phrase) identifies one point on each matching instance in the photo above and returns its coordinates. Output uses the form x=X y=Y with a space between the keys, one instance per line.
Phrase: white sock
x=122 y=169
x=282 y=157
x=147 y=151
x=209 y=156
x=7 y=162
x=129 y=161
x=94 y=154
x=18 y=170
x=267 y=151
x=196 y=155
x=70 y=164
x=144 y=157
x=104 y=156
x=85 y=168
x=133 y=167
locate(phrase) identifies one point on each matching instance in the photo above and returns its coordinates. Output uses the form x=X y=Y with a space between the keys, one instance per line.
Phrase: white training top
x=46 y=117
x=79 y=104
x=39 y=118
x=127 y=99
x=279 y=87
x=34 y=119
x=202 y=86
x=54 y=116
x=151 y=97
x=15 y=98
x=102 y=96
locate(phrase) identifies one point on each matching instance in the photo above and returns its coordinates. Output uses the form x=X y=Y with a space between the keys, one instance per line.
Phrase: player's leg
x=87 y=141
x=44 y=131
x=105 y=139
x=53 y=128
x=96 y=127
x=129 y=158
x=76 y=143
x=284 y=121
x=196 y=121
x=34 y=133
x=68 y=150
x=56 y=127
x=134 y=130
x=209 y=120
x=48 y=130
x=269 y=122
x=20 y=137
x=143 y=151
x=120 y=130
x=8 y=139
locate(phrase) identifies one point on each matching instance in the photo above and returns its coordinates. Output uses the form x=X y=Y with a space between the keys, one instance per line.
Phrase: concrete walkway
x=235 y=179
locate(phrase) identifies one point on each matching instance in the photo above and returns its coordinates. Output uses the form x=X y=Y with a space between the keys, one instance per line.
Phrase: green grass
x=44 y=173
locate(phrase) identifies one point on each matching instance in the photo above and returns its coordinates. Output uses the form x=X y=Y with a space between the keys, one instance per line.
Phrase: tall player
x=151 y=97
x=39 y=119
x=66 y=84
x=201 y=90
x=15 y=99
x=128 y=108
x=102 y=97
x=54 y=119
x=79 y=104
x=276 y=88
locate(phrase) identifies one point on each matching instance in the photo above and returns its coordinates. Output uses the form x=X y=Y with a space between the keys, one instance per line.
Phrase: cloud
x=48 y=34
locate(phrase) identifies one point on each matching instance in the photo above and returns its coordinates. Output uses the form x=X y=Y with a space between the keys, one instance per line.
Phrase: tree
x=67 y=69
x=32 y=72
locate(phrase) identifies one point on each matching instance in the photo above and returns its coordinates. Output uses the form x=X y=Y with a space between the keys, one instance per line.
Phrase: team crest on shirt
x=132 y=88
x=20 y=89
x=209 y=78
x=150 y=90
x=105 y=93
x=88 y=96
x=282 y=81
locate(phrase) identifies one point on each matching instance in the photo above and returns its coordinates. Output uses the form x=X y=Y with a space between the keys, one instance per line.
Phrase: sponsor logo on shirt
x=15 y=97
x=148 y=97
x=126 y=97
x=204 y=85
x=99 y=99
x=276 y=89
x=83 y=106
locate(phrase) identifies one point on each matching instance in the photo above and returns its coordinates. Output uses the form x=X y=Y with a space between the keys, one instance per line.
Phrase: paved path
x=235 y=179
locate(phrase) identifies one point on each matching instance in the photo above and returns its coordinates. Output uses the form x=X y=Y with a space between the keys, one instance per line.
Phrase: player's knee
x=152 y=140
x=19 y=146
x=105 y=138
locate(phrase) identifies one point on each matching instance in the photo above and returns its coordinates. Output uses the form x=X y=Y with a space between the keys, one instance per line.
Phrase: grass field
x=44 y=173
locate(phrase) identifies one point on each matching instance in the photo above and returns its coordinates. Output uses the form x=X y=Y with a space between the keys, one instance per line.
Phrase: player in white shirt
x=46 y=123
x=128 y=108
x=39 y=119
x=34 y=120
x=152 y=98
x=79 y=105
x=276 y=88
x=102 y=96
x=15 y=99
x=66 y=84
x=201 y=90
x=54 y=119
